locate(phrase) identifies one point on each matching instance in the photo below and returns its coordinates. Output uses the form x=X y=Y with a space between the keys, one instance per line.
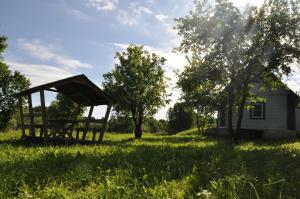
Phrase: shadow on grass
x=159 y=163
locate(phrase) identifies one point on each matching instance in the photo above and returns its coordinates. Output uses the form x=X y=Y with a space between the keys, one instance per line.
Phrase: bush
x=180 y=118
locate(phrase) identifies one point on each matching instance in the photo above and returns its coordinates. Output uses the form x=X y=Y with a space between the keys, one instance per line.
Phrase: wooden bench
x=94 y=130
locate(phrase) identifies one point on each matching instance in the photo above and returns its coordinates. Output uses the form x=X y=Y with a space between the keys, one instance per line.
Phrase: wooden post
x=77 y=134
x=44 y=116
x=104 y=125
x=22 y=116
x=31 y=117
x=74 y=123
x=94 y=135
x=87 y=122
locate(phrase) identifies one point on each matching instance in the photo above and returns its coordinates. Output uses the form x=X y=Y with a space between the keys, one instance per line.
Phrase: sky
x=52 y=39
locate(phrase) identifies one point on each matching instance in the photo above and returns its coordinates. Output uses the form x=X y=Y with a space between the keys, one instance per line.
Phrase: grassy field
x=181 y=166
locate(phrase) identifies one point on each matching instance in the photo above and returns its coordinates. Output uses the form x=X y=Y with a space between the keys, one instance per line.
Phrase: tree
x=274 y=47
x=64 y=108
x=243 y=46
x=137 y=84
x=180 y=118
x=201 y=90
x=153 y=125
x=120 y=123
x=11 y=83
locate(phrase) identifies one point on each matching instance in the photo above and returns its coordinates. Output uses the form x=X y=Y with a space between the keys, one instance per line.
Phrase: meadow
x=158 y=166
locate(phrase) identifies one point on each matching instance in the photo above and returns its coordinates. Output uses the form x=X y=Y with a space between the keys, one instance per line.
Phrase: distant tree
x=201 y=90
x=153 y=125
x=11 y=83
x=137 y=84
x=242 y=46
x=120 y=123
x=64 y=108
x=180 y=118
x=163 y=125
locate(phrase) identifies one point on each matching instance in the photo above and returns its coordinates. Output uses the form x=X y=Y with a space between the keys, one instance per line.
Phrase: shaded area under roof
x=78 y=88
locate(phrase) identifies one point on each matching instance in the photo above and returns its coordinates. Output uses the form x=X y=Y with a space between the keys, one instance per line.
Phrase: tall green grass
x=158 y=166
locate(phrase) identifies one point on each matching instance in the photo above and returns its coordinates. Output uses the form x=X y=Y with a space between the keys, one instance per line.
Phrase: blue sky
x=53 y=39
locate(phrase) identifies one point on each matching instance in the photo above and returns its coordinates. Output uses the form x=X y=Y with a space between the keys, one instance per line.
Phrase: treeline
x=228 y=50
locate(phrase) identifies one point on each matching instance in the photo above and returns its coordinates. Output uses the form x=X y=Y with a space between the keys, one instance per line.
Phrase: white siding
x=297 y=119
x=275 y=113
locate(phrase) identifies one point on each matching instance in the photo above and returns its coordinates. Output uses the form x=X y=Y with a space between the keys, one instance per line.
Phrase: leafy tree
x=275 y=42
x=11 y=83
x=121 y=123
x=64 y=108
x=201 y=90
x=242 y=46
x=137 y=84
x=180 y=118
x=152 y=125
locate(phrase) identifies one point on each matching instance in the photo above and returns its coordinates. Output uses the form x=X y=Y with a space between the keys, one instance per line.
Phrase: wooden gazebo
x=79 y=89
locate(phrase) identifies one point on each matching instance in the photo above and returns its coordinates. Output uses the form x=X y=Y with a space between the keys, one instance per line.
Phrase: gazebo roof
x=78 y=88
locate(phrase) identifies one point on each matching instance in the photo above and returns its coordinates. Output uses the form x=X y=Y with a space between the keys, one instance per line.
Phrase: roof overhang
x=78 y=88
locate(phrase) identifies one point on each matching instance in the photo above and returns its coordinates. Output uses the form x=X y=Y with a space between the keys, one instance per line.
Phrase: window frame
x=263 y=105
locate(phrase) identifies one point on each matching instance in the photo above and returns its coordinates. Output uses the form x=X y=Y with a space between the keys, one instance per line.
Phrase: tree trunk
x=241 y=114
x=138 y=130
x=242 y=105
x=230 y=114
x=198 y=123
x=138 y=117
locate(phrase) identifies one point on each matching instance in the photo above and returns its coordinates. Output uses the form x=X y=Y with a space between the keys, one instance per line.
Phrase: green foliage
x=137 y=84
x=120 y=123
x=242 y=47
x=180 y=166
x=201 y=90
x=152 y=125
x=64 y=108
x=11 y=83
x=180 y=118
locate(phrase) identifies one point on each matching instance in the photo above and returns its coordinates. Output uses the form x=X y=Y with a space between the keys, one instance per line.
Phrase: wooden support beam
x=44 y=116
x=22 y=116
x=104 y=124
x=77 y=134
x=31 y=117
x=75 y=121
x=87 y=123
x=51 y=89
x=94 y=135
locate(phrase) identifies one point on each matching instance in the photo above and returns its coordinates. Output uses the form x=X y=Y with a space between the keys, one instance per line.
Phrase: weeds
x=158 y=166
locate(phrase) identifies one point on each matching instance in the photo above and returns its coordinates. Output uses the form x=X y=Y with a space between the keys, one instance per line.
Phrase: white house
x=277 y=117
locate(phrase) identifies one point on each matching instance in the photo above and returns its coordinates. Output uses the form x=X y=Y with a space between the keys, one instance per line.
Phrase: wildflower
x=204 y=194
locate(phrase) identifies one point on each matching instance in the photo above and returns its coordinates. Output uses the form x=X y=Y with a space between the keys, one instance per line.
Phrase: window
x=258 y=111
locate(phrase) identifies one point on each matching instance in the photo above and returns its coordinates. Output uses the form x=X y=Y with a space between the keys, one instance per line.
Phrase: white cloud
x=36 y=50
x=138 y=9
x=103 y=5
x=141 y=9
x=161 y=17
x=126 y=19
x=77 y=14
x=145 y=10
x=242 y=4
x=131 y=16
x=38 y=73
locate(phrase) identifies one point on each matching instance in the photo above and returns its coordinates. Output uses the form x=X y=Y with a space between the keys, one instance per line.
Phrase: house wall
x=297 y=119
x=275 y=113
